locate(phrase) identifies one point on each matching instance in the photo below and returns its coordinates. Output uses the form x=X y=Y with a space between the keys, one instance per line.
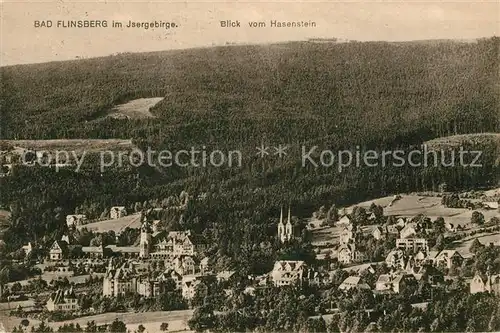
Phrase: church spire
x=281 y=215
x=289 y=221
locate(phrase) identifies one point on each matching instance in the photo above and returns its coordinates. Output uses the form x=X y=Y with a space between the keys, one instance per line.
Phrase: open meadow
x=135 y=109
x=131 y=221
x=177 y=320
x=78 y=145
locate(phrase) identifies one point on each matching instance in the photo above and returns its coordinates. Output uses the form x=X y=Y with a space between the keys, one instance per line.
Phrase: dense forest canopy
x=291 y=91
x=374 y=95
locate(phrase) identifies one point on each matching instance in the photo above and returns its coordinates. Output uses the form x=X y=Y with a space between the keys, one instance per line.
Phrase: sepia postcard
x=249 y=166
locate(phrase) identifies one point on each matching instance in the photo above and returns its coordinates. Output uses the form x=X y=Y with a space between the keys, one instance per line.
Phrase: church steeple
x=285 y=231
x=145 y=243
x=288 y=226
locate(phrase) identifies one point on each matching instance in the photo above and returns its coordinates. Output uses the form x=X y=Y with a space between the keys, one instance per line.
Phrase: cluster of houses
x=406 y=234
x=125 y=279
x=409 y=262
x=153 y=245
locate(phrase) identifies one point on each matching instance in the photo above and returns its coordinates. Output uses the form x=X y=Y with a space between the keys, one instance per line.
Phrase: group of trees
x=451 y=308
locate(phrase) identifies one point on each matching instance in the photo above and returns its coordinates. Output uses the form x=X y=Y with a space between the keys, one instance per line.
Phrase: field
x=49 y=276
x=177 y=320
x=135 y=109
x=77 y=145
x=463 y=246
x=492 y=192
x=132 y=221
x=411 y=205
x=325 y=238
x=455 y=141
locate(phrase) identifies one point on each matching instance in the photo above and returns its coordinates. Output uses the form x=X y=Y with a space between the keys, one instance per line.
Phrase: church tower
x=145 y=243
x=285 y=230
x=281 y=228
x=289 y=227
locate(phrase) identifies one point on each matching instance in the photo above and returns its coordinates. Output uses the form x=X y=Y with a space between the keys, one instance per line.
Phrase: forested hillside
x=293 y=91
x=371 y=95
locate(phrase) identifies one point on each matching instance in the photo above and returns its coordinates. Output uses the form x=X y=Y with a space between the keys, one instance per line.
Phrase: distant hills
x=291 y=91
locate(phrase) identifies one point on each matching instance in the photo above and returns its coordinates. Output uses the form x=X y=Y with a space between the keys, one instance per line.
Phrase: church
x=285 y=230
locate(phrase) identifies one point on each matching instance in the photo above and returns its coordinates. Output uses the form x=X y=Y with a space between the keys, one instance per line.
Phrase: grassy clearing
x=136 y=109
x=132 y=221
x=411 y=205
x=463 y=246
x=49 y=276
x=77 y=145
x=458 y=140
x=151 y=320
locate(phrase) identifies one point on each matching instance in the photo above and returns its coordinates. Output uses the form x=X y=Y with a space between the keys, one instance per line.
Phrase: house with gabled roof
x=408 y=230
x=75 y=220
x=394 y=282
x=178 y=243
x=27 y=249
x=117 y=211
x=288 y=272
x=344 y=220
x=171 y=274
x=205 y=265
x=189 y=284
x=448 y=259
x=353 y=282
x=63 y=300
x=347 y=234
x=58 y=250
x=485 y=283
x=379 y=232
x=182 y=264
x=348 y=253
x=396 y=258
x=119 y=281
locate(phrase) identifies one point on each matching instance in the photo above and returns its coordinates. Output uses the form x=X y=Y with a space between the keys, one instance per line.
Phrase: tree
x=202 y=319
x=4 y=276
x=377 y=210
x=117 y=326
x=477 y=218
x=359 y=215
x=495 y=220
x=316 y=325
x=141 y=328
x=440 y=243
x=475 y=246
x=16 y=287
x=91 y=327
x=439 y=225
x=42 y=328
x=164 y=327
x=332 y=215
